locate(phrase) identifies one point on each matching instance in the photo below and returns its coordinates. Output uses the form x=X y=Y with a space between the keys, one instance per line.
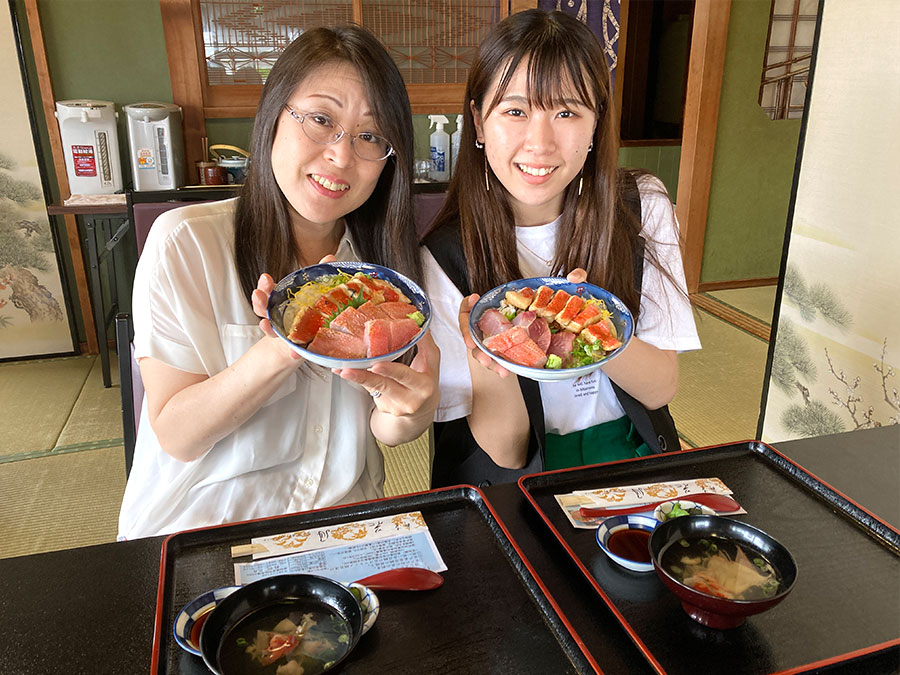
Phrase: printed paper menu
x=350 y=562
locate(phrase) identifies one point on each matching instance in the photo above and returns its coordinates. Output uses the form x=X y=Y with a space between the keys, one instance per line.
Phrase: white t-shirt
x=666 y=320
x=308 y=446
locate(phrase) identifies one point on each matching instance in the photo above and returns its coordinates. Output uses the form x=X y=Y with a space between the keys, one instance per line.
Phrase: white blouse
x=308 y=446
x=666 y=320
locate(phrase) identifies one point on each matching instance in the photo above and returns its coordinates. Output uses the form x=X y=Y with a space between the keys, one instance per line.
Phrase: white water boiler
x=156 y=148
x=90 y=146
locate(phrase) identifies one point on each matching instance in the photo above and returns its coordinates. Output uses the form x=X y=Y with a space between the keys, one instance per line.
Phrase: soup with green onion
x=721 y=567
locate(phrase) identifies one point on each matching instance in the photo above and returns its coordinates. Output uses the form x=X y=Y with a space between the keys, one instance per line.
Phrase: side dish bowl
x=620 y=316
x=625 y=539
x=760 y=549
x=260 y=606
x=193 y=615
x=677 y=508
x=281 y=294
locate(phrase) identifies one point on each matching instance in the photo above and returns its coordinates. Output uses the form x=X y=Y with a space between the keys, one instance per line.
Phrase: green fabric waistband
x=607 y=442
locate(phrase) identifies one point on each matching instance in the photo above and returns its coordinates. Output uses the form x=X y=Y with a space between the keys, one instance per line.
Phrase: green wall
x=753 y=167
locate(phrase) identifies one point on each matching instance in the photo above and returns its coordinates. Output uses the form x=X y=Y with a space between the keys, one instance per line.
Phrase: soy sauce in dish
x=194 y=637
x=630 y=544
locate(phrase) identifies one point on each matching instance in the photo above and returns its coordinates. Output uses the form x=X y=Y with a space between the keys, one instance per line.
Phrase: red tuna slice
x=339 y=295
x=541 y=298
x=600 y=332
x=570 y=311
x=371 y=310
x=509 y=338
x=521 y=298
x=350 y=321
x=397 y=310
x=337 y=344
x=305 y=326
x=402 y=331
x=356 y=286
x=561 y=344
x=526 y=354
x=378 y=337
x=493 y=322
x=586 y=317
x=555 y=306
x=325 y=306
x=538 y=329
x=391 y=294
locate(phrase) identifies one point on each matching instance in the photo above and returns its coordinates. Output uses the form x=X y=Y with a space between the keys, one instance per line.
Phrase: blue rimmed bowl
x=621 y=318
x=190 y=619
x=631 y=551
x=280 y=295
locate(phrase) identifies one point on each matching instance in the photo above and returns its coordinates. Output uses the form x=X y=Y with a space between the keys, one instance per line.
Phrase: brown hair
x=382 y=228
x=600 y=231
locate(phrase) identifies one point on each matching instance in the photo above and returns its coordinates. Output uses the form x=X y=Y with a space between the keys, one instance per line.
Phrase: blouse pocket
x=237 y=339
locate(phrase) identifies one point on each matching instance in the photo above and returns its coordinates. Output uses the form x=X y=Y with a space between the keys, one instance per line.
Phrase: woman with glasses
x=537 y=192
x=235 y=424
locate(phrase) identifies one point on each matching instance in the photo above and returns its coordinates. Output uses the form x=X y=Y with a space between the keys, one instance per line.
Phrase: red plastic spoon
x=403 y=579
x=714 y=501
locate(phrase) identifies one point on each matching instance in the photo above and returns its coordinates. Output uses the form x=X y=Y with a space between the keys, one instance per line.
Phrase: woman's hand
x=405 y=396
x=465 y=308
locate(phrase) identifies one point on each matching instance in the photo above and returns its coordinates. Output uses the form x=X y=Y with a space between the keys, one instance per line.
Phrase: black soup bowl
x=721 y=569
x=233 y=626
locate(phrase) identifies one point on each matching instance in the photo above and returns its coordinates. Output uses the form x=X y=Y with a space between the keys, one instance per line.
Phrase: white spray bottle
x=440 y=148
x=454 y=144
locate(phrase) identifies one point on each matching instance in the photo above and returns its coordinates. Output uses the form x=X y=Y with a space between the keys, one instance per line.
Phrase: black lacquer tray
x=844 y=606
x=492 y=615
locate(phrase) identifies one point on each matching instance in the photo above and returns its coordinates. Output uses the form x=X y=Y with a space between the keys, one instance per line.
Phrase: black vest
x=458 y=457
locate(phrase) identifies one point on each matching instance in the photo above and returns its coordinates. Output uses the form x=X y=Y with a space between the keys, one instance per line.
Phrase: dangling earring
x=479 y=144
x=487 y=185
x=580 y=181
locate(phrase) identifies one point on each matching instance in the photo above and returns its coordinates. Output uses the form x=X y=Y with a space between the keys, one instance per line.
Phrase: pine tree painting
x=33 y=317
x=795 y=370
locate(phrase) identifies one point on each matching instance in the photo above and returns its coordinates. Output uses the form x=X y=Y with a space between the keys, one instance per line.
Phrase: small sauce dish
x=626 y=540
x=192 y=616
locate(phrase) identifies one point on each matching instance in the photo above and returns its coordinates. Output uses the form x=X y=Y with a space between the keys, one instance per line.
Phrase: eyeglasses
x=325 y=131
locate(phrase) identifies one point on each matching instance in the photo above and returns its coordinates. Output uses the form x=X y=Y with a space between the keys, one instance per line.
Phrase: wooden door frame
x=701 y=114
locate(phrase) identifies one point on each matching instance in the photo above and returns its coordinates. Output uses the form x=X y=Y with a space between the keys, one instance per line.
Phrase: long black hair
x=563 y=58
x=382 y=228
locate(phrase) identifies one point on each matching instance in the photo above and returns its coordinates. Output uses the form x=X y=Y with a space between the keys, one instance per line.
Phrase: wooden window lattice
x=792 y=25
x=431 y=41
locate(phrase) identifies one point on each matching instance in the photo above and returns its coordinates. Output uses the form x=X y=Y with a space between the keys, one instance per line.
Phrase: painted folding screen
x=837 y=348
x=33 y=315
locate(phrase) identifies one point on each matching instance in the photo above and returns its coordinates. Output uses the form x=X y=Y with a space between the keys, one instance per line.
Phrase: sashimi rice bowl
x=547 y=328
x=348 y=314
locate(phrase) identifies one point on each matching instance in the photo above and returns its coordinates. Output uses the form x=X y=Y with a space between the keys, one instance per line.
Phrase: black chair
x=143 y=210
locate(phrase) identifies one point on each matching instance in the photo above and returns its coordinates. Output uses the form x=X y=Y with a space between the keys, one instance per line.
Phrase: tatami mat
x=407 y=467
x=60 y=502
x=38 y=397
x=97 y=414
x=719 y=386
x=758 y=302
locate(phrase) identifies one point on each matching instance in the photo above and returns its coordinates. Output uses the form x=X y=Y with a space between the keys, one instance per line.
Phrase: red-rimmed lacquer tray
x=844 y=606
x=492 y=614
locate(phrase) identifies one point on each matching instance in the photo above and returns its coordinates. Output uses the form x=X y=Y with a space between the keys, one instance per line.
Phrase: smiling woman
x=237 y=424
x=537 y=193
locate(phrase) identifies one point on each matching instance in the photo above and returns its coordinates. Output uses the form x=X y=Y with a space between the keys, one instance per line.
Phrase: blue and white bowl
x=369 y=602
x=633 y=522
x=621 y=317
x=198 y=608
x=294 y=280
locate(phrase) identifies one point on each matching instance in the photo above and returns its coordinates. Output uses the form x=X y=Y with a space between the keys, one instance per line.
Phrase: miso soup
x=721 y=567
x=279 y=640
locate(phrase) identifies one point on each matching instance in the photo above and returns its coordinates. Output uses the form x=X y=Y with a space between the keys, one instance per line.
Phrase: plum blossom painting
x=33 y=314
